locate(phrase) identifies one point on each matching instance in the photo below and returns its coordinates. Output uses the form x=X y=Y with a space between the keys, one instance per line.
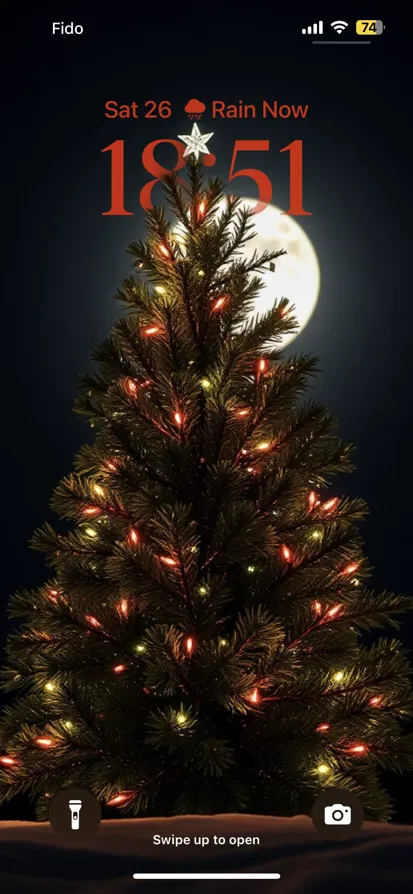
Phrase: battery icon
x=369 y=27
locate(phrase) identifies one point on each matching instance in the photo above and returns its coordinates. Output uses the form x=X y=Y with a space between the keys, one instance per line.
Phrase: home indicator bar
x=203 y=876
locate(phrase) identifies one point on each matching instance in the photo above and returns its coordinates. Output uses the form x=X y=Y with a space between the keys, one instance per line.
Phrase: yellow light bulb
x=140 y=648
x=338 y=676
x=355 y=582
x=201 y=272
x=203 y=591
x=50 y=687
x=91 y=532
x=264 y=445
x=98 y=490
x=160 y=290
x=223 y=642
x=316 y=535
x=251 y=569
x=205 y=383
x=323 y=769
x=68 y=724
x=180 y=718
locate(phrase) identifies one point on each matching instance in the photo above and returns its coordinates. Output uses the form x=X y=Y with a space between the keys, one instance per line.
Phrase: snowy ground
x=379 y=859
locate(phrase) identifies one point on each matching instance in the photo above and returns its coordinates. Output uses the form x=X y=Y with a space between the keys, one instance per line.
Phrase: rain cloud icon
x=194 y=108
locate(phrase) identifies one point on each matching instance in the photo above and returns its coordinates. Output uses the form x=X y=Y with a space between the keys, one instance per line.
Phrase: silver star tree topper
x=196 y=142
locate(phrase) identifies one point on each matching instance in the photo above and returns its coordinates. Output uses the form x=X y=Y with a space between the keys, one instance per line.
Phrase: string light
x=317 y=608
x=251 y=569
x=244 y=412
x=91 y=510
x=223 y=642
x=357 y=749
x=333 y=611
x=133 y=537
x=323 y=728
x=45 y=742
x=286 y=553
x=111 y=466
x=203 y=591
x=219 y=303
x=50 y=687
x=123 y=607
x=167 y=560
x=323 y=769
x=376 y=700
x=337 y=677
x=355 y=582
x=91 y=532
x=140 y=648
x=264 y=445
x=201 y=272
x=119 y=799
x=68 y=724
x=98 y=490
x=189 y=645
x=151 y=330
x=119 y=668
x=254 y=696
x=181 y=718
x=312 y=499
x=250 y=469
x=201 y=209
x=160 y=290
x=7 y=761
x=178 y=418
x=350 y=568
x=92 y=621
x=164 y=251
x=262 y=366
x=131 y=386
x=205 y=383
x=317 y=535
x=329 y=505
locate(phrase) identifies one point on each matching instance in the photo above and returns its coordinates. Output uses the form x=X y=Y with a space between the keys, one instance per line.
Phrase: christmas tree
x=198 y=648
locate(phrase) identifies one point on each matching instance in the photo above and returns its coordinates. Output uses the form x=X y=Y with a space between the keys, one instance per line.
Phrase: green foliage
x=198 y=647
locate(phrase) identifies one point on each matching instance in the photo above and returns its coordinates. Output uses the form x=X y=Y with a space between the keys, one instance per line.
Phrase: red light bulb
x=286 y=553
x=312 y=499
x=119 y=668
x=219 y=303
x=92 y=621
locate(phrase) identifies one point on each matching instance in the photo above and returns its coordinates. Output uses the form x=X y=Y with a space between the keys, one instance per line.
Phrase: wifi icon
x=339 y=27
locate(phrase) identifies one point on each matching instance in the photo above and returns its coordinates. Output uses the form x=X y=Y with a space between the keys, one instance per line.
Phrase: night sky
x=64 y=260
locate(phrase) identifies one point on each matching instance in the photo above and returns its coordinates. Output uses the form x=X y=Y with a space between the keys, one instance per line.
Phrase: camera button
x=337 y=814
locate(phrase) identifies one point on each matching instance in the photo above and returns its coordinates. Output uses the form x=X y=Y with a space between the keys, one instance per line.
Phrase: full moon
x=296 y=275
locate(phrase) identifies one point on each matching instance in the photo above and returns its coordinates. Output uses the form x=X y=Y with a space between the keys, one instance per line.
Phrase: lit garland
x=219 y=303
x=92 y=621
x=323 y=728
x=119 y=668
x=286 y=553
x=120 y=799
x=350 y=568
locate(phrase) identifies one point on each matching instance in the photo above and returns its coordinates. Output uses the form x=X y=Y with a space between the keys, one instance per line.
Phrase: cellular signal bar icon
x=313 y=29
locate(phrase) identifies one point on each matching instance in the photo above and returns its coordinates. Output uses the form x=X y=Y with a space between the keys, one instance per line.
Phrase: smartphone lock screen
x=206 y=366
